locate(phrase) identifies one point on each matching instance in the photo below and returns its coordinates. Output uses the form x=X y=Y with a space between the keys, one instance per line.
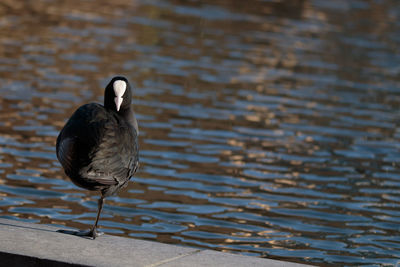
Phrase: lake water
x=268 y=128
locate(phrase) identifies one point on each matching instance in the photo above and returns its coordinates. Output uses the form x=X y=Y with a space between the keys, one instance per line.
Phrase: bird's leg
x=99 y=209
x=93 y=233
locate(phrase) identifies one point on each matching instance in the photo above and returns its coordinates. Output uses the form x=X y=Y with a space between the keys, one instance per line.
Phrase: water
x=267 y=128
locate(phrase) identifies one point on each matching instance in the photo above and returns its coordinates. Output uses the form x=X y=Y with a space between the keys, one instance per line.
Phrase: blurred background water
x=268 y=128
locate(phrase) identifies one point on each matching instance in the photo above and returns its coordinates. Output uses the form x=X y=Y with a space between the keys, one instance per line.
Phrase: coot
x=98 y=146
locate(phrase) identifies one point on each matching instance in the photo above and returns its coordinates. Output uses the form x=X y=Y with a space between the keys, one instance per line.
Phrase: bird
x=98 y=146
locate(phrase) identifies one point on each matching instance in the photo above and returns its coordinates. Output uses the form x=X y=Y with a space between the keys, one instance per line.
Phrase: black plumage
x=98 y=146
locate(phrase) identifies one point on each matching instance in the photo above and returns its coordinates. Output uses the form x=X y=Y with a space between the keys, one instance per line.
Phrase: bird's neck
x=130 y=117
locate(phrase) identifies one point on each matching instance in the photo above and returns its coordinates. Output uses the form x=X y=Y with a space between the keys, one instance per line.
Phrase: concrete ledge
x=26 y=244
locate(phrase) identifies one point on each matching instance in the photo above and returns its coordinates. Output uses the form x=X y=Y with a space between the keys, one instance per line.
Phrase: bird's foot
x=93 y=233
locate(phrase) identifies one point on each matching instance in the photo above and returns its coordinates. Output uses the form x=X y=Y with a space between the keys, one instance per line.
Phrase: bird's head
x=118 y=95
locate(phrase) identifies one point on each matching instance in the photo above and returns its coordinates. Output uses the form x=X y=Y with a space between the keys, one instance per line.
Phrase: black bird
x=98 y=146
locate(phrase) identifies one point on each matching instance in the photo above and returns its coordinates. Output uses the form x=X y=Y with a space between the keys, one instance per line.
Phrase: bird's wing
x=98 y=147
x=115 y=156
x=65 y=152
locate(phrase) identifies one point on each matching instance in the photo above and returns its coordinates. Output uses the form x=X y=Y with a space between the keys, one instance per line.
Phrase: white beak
x=118 y=102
